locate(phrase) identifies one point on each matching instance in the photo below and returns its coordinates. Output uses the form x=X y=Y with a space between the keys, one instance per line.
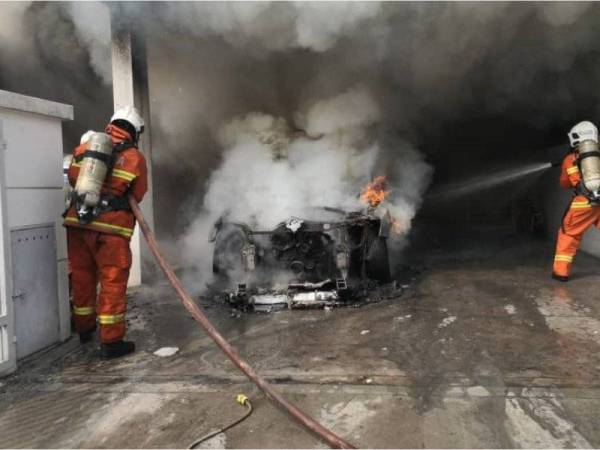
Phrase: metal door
x=7 y=348
x=35 y=288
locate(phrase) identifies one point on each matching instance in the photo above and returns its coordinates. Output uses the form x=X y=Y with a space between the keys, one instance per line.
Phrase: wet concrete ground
x=483 y=350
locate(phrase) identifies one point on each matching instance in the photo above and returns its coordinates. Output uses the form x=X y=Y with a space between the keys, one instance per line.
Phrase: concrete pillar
x=130 y=87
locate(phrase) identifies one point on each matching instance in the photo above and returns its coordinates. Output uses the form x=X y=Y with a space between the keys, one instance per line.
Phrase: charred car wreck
x=303 y=262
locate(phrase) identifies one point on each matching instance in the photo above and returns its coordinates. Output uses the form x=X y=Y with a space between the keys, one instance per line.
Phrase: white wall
x=7 y=345
x=32 y=173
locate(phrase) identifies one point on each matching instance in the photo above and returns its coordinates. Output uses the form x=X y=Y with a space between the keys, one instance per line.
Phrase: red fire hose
x=304 y=419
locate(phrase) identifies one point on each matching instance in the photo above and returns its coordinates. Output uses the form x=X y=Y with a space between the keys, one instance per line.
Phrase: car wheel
x=227 y=254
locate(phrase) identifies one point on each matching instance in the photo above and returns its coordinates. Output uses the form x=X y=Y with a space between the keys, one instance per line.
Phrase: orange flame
x=375 y=192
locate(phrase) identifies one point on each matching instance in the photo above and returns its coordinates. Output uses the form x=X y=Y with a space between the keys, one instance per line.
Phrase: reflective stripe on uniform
x=110 y=319
x=83 y=311
x=581 y=205
x=564 y=258
x=123 y=231
x=123 y=174
x=572 y=170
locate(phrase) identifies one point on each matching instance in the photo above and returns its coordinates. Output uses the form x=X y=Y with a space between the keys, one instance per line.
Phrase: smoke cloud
x=272 y=26
x=60 y=52
x=92 y=23
x=271 y=172
x=261 y=109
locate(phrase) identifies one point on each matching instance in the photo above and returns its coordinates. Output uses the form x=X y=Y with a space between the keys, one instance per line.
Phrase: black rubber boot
x=86 y=336
x=116 y=349
x=560 y=278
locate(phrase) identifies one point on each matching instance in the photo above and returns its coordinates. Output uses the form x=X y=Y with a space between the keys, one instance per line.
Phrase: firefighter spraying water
x=581 y=173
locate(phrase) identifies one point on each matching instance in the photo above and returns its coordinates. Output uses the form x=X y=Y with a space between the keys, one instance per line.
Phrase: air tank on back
x=92 y=174
x=589 y=156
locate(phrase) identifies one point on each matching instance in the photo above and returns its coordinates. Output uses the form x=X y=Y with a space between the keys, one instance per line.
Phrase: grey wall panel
x=35 y=288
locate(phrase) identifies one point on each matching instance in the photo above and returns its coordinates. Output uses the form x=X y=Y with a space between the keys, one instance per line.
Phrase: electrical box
x=34 y=293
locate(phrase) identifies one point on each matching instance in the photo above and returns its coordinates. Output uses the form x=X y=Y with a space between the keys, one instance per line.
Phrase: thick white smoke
x=271 y=172
x=272 y=25
x=92 y=22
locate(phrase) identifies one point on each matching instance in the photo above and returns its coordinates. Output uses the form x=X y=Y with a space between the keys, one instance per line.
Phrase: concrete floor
x=483 y=350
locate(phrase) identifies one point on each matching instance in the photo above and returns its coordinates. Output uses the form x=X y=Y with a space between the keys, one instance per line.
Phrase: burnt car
x=303 y=261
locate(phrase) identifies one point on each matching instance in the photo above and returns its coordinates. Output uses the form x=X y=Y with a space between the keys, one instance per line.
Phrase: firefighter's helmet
x=131 y=116
x=583 y=131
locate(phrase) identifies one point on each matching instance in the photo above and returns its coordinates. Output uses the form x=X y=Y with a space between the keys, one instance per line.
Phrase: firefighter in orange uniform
x=98 y=247
x=580 y=172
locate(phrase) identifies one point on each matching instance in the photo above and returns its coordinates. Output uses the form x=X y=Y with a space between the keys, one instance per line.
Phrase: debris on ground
x=324 y=294
x=447 y=321
x=166 y=351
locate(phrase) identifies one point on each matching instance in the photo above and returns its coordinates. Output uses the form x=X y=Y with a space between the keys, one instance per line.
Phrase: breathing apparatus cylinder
x=589 y=162
x=94 y=167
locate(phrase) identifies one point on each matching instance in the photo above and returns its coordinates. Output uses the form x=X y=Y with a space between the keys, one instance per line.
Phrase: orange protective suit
x=99 y=251
x=580 y=216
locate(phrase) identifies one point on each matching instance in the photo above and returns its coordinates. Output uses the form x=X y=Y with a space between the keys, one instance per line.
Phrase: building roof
x=18 y=102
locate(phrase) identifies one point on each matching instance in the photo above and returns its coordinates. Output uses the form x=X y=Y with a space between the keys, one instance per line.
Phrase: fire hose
x=301 y=417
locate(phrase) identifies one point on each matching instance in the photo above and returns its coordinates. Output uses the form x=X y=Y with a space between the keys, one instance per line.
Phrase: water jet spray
x=489 y=181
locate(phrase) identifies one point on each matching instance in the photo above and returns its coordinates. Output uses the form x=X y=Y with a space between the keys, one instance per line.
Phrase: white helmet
x=130 y=114
x=583 y=131
x=86 y=136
